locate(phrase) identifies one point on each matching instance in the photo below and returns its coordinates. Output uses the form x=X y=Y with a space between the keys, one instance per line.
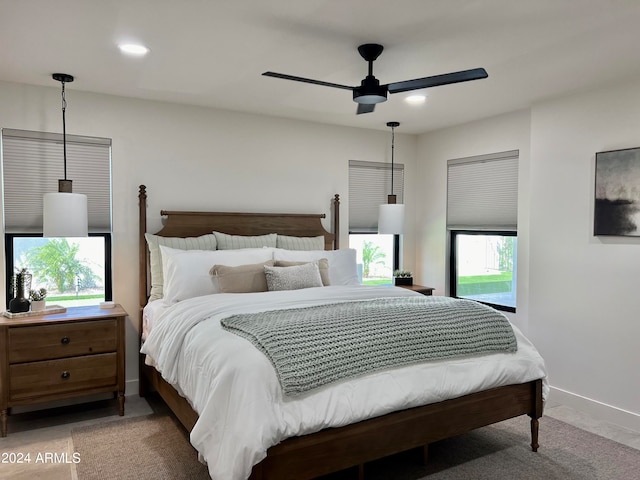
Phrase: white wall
x=577 y=294
x=194 y=158
x=584 y=302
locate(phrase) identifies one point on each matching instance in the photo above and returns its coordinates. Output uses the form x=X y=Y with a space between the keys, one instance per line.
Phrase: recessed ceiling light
x=416 y=99
x=133 y=49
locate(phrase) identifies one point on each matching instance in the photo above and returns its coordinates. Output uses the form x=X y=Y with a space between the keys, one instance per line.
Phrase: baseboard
x=597 y=410
x=131 y=387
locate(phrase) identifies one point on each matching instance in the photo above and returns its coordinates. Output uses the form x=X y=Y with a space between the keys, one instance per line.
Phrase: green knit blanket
x=313 y=346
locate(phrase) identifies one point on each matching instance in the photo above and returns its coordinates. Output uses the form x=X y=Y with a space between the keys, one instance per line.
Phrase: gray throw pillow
x=293 y=278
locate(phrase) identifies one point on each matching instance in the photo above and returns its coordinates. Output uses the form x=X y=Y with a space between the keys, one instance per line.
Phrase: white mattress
x=234 y=388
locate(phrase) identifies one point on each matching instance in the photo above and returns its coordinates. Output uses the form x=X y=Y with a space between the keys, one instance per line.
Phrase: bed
x=351 y=443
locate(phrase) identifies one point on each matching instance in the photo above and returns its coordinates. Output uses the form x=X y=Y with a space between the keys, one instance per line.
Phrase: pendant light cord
x=64 y=130
x=393 y=142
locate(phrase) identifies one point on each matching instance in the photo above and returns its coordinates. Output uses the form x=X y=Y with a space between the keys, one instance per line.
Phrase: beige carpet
x=156 y=447
x=149 y=447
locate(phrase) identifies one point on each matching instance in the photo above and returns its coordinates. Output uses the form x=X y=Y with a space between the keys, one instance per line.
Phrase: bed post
x=142 y=281
x=336 y=221
x=142 y=284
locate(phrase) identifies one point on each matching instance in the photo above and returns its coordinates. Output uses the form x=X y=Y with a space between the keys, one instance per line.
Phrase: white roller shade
x=32 y=164
x=482 y=192
x=369 y=186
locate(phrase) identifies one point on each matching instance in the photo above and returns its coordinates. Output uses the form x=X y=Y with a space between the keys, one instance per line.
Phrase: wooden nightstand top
x=418 y=288
x=90 y=312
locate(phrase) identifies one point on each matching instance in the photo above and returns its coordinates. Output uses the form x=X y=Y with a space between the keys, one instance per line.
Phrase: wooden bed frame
x=333 y=449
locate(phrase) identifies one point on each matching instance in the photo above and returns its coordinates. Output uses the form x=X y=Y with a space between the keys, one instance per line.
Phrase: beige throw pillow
x=241 y=279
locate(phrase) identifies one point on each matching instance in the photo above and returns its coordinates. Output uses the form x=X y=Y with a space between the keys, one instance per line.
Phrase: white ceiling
x=212 y=52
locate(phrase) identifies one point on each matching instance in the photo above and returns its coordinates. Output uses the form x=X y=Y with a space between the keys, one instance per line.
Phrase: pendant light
x=65 y=213
x=391 y=214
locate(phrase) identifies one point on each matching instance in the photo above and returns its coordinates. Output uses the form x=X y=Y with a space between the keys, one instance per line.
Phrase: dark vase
x=21 y=287
x=403 y=280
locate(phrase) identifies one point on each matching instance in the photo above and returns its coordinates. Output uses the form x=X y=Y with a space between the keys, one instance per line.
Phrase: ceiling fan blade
x=306 y=80
x=365 y=108
x=436 y=80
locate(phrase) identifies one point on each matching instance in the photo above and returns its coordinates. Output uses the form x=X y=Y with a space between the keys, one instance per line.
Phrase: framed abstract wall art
x=617 y=193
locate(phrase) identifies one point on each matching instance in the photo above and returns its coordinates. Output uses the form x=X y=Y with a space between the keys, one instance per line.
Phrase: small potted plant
x=37 y=298
x=403 y=277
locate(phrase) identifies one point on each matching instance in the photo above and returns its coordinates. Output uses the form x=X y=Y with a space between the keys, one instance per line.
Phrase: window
x=369 y=184
x=482 y=205
x=375 y=257
x=484 y=267
x=75 y=271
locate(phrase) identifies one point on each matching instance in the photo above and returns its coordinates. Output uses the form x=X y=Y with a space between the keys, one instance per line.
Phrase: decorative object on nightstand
x=58 y=356
x=402 y=277
x=38 y=299
x=21 y=288
x=391 y=214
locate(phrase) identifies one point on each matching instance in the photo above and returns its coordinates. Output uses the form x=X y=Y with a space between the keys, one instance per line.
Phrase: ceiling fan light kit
x=370 y=92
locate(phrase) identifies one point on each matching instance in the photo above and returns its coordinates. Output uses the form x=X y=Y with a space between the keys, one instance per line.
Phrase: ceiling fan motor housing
x=370 y=92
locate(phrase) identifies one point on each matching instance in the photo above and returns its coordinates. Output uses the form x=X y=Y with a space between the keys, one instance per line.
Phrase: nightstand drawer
x=65 y=375
x=44 y=342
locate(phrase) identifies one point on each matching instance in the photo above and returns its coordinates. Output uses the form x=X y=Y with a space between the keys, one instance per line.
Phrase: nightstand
x=418 y=288
x=71 y=354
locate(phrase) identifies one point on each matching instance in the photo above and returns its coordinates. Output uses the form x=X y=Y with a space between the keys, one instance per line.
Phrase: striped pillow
x=204 y=242
x=300 y=243
x=234 y=242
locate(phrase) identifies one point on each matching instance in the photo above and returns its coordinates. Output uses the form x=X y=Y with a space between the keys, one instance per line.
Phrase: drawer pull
x=65 y=375
x=65 y=340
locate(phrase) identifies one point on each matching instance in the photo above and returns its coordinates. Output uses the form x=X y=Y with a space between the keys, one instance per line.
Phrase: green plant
x=402 y=274
x=371 y=254
x=57 y=264
x=37 y=295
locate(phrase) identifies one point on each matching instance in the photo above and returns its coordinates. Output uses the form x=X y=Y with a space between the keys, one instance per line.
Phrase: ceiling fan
x=371 y=92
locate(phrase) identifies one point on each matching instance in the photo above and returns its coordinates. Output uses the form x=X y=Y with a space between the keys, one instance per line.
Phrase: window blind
x=33 y=162
x=369 y=185
x=482 y=192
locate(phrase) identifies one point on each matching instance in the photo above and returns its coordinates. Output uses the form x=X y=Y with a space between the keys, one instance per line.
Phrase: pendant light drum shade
x=391 y=218
x=65 y=215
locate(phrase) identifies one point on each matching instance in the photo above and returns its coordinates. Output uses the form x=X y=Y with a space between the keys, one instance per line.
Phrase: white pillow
x=186 y=272
x=203 y=242
x=296 y=277
x=342 y=263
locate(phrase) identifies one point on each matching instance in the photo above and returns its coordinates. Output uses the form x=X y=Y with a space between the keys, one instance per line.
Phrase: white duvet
x=234 y=389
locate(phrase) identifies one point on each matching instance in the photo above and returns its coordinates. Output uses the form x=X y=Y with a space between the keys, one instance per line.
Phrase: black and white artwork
x=617 y=202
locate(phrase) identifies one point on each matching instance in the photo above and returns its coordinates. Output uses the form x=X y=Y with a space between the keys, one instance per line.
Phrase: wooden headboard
x=194 y=224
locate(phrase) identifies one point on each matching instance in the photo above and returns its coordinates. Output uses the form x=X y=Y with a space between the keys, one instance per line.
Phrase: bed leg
x=3 y=417
x=361 y=471
x=425 y=454
x=534 y=434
